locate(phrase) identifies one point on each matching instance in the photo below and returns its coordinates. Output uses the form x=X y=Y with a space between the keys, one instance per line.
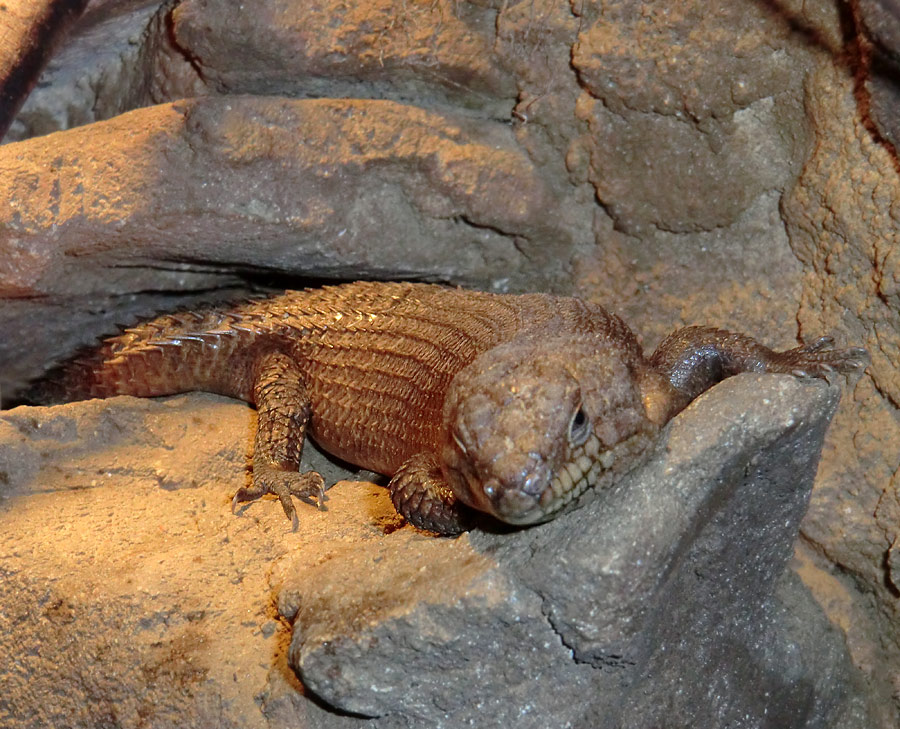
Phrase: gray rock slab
x=28 y=35
x=880 y=21
x=116 y=58
x=660 y=603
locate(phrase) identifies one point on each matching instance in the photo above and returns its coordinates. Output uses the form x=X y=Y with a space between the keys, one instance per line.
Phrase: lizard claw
x=820 y=359
x=309 y=487
x=817 y=345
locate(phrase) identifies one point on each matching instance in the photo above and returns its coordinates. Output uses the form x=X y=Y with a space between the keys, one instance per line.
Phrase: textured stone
x=131 y=591
x=719 y=168
x=650 y=606
x=880 y=21
x=118 y=58
x=438 y=51
x=29 y=32
x=843 y=222
x=335 y=188
x=681 y=59
x=690 y=108
x=130 y=594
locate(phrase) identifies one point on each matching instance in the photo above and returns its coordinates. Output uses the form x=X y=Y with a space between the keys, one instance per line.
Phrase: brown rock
x=673 y=174
x=844 y=225
x=694 y=59
x=28 y=34
x=334 y=188
x=435 y=52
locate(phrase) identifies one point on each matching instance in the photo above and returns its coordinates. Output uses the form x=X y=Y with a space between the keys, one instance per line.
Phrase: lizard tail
x=164 y=356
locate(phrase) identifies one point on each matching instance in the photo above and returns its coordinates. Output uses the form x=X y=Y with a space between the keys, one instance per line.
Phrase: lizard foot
x=308 y=487
x=422 y=497
x=820 y=359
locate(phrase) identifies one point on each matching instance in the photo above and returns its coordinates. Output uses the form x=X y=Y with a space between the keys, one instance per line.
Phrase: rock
x=132 y=594
x=29 y=35
x=843 y=224
x=438 y=53
x=119 y=57
x=722 y=166
x=879 y=22
x=666 y=97
x=660 y=603
x=335 y=188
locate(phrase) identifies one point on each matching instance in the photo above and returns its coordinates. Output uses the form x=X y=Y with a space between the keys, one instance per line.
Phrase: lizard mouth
x=581 y=472
x=584 y=467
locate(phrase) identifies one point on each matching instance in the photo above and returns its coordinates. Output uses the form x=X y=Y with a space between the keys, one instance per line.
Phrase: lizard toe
x=308 y=487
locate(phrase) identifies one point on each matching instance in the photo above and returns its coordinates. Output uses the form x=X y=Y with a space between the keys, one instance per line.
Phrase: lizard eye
x=579 y=427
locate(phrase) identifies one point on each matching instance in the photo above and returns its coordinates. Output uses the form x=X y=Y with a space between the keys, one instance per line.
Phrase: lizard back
x=377 y=358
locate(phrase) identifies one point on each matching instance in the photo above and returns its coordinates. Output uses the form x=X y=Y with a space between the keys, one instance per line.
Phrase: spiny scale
x=377 y=357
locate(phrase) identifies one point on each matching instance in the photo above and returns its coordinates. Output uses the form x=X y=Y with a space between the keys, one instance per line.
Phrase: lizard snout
x=517 y=500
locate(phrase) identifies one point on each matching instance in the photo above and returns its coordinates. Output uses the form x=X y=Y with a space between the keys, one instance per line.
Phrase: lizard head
x=531 y=424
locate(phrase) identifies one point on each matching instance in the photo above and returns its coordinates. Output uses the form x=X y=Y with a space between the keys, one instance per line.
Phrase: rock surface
x=337 y=188
x=706 y=162
x=661 y=602
x=879 y=25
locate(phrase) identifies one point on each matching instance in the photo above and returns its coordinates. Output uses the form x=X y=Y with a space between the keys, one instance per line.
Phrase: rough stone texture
x=680 y=59
x=670 y=88
x=345 y=188
x=29 y=32
x=118 y=58
x=843 y=223
x=879 y=21
x=710 y=162
x=128 y=583
x=724 y=166
x=378 y=49
x=131 y=595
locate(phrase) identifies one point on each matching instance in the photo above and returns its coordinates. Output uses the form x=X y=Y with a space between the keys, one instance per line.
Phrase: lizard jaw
x=574 y=478
x=584 y=467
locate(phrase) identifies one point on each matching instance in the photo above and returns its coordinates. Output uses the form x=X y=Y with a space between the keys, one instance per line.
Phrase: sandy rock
x=129 y=583
x=680 y=59
x=436 y=52
x=296 y=179
x=721 y=167
x=131 y=595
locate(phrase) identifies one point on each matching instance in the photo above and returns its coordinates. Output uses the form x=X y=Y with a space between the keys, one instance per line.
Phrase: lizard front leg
x=422 y=497
x=693 y=359
x=283 y=409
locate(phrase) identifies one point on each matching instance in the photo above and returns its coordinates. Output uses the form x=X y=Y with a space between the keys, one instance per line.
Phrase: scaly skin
x=510 y=405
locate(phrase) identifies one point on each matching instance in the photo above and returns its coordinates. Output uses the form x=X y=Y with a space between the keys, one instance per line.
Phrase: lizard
x=507 y=404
